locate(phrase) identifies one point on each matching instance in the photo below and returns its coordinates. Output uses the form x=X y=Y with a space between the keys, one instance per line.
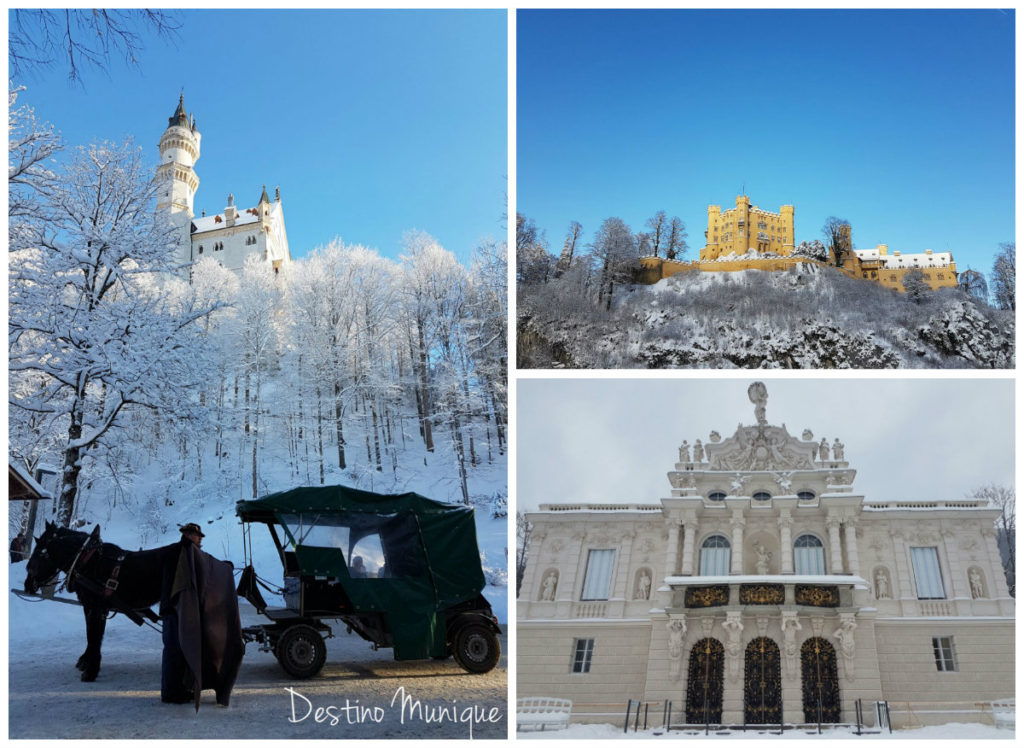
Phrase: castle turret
x=179 y=151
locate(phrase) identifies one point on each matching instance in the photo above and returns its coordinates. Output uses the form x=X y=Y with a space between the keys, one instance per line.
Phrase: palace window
x=805 y=495
x=598 y=577
x=716 y=496
x=583 y=652
x=714 y=556
x=945 y=655
x=762 y=496
x=808 y=555
x=200 y=249
x=927 y=573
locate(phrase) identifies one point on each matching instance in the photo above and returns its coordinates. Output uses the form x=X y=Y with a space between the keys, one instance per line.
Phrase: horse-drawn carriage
x=401 y=571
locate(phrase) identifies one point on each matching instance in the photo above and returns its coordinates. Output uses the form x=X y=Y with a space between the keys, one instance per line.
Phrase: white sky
x=614 y=440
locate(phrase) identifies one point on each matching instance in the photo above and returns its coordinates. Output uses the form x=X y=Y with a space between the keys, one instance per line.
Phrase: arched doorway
x=820 y=679
x=762 y=683
x=704 y=683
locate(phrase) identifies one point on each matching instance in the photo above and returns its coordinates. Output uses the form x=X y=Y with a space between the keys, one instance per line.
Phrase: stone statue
x=714 y=437
x=643 y=587
x=758 y=395
x=837 y=450
x=550 y=585
x=733 y=647
x=881 y=586
x=764 y=556
x=684 y=451
x=676 y=631
x=977 y=588
x=698 y=452
x=823 y=450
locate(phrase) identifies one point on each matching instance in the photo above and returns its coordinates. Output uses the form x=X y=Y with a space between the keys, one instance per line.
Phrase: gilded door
x=762 y=685
x=704 y=683
x=820 y=679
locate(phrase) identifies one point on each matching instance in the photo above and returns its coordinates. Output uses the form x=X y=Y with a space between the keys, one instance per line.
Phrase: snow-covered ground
x=46 y=699
x=956 y=730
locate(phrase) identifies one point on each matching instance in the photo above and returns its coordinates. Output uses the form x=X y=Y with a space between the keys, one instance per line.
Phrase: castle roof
x=180 y=116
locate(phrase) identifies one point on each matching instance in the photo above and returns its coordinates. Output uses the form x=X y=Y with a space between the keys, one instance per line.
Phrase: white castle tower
x=231 y=236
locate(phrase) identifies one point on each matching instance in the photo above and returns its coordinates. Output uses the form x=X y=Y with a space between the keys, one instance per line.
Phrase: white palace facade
x=230 y=236
x=765 y=590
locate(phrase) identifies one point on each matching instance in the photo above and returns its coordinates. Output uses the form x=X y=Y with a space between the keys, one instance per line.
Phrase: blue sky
x=901 y=122
x=371 y=123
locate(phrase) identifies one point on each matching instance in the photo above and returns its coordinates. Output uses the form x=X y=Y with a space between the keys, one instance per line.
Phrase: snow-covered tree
x=615 y=249
x=568 y=248
x=838 y=239
x=30 y=146
x=1004 y=276
x=675 y=241
x=658 y=225
x=89 y=322
x=814 y=250
x=973 y=283
x=915 y=286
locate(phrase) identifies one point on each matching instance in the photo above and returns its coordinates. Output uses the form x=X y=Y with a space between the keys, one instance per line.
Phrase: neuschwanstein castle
x=230 y=236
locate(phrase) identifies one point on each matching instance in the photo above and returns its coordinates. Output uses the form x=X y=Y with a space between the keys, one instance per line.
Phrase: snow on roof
x=22 y=475
x=926 y=506
x=899 y=260
x=216 y=222
x=562 y=508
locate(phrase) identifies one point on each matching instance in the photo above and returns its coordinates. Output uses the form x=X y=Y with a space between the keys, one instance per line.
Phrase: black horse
x=103 y=577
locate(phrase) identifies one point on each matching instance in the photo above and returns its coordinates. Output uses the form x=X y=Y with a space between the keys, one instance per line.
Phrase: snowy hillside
x=808 y=317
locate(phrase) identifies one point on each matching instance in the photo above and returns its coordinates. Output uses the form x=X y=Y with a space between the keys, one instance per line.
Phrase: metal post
x=636 y=722
x=629 y=706
x=668 y=724
x=645 y=715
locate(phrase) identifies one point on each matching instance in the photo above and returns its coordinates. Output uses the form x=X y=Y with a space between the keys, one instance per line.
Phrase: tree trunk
x=72 y=467
x=428 y=436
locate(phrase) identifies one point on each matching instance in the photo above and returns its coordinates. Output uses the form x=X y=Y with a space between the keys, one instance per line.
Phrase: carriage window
x=367 y=560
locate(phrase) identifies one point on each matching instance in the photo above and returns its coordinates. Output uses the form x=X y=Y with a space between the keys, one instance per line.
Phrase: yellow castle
x=748 y=238
x=744 y=228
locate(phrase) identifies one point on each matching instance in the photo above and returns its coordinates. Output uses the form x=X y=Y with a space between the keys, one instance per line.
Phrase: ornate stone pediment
x=760 y=447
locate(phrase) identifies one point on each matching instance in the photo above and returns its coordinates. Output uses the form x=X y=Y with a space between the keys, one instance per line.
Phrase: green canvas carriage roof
x=340 y=499
x=447 y=533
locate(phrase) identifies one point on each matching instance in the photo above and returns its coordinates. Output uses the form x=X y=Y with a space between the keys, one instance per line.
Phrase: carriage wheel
x=301 y=651
x=477 y=648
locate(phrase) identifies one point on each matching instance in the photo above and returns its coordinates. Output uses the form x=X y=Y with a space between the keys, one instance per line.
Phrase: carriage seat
x=281 y=614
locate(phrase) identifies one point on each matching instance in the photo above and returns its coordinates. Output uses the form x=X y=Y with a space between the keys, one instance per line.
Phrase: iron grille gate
x=762 y=690
x=820 y=679
x=704 y=683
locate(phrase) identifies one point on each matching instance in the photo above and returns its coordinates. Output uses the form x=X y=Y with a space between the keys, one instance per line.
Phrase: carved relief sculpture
x=684 y=451
x=846 y=642
x=977 y=586
x=698 y=452
x=676 y=631
x=643 y=586
x=733 y=648
x=790 y=626
x=764 y=557
x=550 y=585
x=882 y=591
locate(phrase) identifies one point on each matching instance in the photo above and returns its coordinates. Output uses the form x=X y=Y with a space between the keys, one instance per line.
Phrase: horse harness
x=76 y=579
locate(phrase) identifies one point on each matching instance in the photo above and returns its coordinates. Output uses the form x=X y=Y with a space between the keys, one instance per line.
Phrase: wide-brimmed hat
x=192 y=528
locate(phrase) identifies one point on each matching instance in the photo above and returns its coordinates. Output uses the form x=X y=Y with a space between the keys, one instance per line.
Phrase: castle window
x=716 y=496
x=927 y=573
x=808 y=555
x=762 y=496
x=805 y=495
x=714 y=556
x=200 y=249
x=583 y=652
x=598 y=577
x=945 y=655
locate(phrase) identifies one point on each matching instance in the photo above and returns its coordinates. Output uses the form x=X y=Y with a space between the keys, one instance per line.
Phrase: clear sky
x=614 y=440
x=901 y=122
x=371 y=123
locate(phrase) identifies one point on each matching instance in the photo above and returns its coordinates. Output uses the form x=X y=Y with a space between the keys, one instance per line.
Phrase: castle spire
x=180 y=117
x=264 y=198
